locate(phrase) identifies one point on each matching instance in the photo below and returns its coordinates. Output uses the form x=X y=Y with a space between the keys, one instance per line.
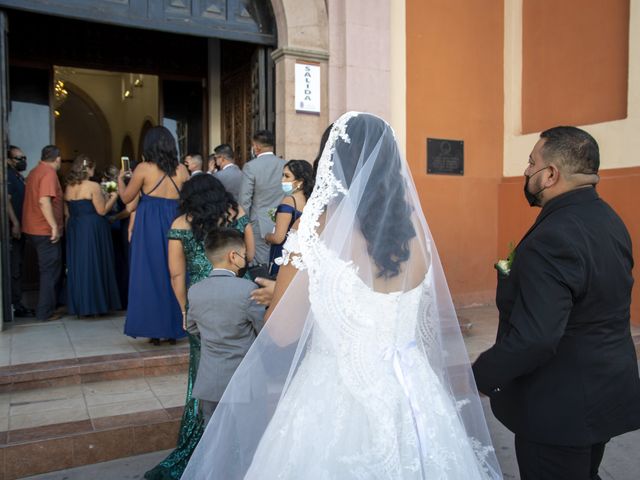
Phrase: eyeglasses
x=23 y=157
x=243 y=256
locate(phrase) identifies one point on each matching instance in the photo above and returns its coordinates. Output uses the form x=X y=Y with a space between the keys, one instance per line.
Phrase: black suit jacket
x=563 y=370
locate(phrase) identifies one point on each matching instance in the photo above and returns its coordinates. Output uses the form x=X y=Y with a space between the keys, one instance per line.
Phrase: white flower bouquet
x=109 y=187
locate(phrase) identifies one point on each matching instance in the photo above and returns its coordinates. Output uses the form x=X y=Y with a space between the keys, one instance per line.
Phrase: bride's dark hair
x=385 y=196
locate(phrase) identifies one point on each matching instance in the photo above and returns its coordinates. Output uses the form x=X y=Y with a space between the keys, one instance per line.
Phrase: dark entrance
x=166 y=41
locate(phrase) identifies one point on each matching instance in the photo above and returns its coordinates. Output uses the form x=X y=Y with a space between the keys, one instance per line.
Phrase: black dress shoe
x=22 y=311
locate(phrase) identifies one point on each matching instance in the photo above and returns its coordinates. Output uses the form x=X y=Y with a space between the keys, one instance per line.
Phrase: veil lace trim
x=305 y=242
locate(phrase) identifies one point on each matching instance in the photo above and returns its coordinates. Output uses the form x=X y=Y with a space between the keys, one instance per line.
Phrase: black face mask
x=243 y=270
x=21 y=163
x=532 y=198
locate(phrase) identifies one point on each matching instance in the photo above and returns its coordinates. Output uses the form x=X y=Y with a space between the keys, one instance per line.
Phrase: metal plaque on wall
x=445 y=156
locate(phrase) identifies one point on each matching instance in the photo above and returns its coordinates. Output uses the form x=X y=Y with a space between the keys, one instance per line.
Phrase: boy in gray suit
x=222 y=311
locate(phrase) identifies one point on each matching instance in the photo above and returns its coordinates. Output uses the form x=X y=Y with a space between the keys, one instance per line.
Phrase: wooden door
x=235 y=90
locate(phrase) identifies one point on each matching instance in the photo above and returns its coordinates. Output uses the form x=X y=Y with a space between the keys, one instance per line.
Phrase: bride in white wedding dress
x=360 y=371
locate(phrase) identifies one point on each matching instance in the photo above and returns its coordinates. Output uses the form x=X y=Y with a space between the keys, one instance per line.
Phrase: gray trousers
x=262 y=248
x=207 y=408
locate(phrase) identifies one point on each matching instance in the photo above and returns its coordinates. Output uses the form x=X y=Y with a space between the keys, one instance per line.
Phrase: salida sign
x=307 y=96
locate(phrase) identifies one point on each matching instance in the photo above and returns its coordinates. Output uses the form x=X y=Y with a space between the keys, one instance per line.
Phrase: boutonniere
x=504 y=266
x=272 y=214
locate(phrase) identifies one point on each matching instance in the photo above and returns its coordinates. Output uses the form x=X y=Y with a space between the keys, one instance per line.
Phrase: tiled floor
x=29 y=341
x=35 y=408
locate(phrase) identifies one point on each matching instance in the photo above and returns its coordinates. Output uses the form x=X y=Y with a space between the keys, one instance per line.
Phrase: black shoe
x=155 y=341
x=172 y=341
x=22 y=311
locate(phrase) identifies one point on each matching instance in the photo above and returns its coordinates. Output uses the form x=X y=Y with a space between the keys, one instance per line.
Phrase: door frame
x=5 y=238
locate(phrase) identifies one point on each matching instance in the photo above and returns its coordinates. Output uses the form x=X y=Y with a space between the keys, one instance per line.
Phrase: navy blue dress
x=153 y=310
x=91 y=280
x=276 y=249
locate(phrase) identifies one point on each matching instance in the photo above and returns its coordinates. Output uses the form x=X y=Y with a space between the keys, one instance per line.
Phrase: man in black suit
x=563 y=374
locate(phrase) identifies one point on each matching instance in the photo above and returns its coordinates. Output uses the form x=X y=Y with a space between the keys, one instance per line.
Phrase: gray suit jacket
x=261 y=189
x=231 y=178
x=228 y=321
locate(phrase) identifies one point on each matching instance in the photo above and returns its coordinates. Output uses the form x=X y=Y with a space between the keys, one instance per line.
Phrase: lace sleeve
x=291 y=252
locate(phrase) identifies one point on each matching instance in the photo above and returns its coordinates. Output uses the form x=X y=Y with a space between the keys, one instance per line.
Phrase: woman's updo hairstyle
x=80 y=169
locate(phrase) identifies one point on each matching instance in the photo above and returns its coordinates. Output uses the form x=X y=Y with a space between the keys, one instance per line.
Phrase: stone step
x=73 y=371
x=61 y=446
x=68 y=413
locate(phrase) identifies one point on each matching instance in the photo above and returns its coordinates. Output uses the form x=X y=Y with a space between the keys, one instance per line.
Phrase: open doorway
x=96 y=88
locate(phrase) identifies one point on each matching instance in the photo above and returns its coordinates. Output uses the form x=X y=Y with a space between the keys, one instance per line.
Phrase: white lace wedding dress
x=364 y=403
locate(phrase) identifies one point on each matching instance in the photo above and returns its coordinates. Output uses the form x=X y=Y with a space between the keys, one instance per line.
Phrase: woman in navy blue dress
x=297 y=184
x=153 y=310
x=91 y=281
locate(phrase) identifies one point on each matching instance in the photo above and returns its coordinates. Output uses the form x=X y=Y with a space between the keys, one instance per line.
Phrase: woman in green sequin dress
x=205 y=205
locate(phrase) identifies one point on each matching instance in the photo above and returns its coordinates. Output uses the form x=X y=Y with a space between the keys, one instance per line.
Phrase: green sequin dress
x=192 y=426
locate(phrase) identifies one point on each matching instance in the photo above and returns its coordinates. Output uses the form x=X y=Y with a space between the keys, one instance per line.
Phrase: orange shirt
x=41 y=182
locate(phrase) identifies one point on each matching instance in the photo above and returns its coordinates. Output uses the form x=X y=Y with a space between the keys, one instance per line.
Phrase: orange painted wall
x=619 y=187
x=455 y=91
x=574 y=50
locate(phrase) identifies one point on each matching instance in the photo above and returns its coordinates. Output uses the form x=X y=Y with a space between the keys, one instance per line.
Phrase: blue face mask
x=287 y=187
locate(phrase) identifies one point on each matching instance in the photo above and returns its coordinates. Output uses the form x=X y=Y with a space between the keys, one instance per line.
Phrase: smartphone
x=126 y=165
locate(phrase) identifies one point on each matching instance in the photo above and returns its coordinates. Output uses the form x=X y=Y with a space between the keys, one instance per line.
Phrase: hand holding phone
x=126 y=165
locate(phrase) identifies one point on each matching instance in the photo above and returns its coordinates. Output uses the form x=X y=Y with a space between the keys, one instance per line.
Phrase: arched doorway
x=81 y=127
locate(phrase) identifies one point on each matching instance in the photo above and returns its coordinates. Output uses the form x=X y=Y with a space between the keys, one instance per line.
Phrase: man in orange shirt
x=43 y=223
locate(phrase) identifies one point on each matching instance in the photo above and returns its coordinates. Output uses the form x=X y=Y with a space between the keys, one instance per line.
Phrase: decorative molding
x=300 y=54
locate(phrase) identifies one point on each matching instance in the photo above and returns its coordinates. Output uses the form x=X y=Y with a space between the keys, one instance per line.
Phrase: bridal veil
x=365 y=214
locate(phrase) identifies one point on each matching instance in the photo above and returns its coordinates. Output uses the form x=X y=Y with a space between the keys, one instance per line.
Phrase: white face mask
x=287 y=187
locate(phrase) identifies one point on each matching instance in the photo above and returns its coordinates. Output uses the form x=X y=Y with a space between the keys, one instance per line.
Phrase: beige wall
x=303 y=35
x=359 y=63
x=352 y=42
